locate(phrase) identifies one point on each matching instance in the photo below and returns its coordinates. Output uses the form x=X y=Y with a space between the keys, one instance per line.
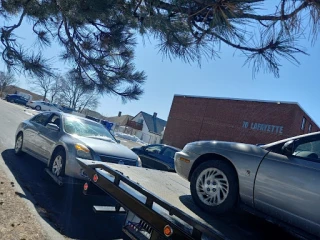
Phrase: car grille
x=112 y=159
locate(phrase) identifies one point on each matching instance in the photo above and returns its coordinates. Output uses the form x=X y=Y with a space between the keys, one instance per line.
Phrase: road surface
x=69 y=212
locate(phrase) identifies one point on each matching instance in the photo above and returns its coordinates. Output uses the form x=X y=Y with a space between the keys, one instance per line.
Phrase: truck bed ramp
x=158 y=198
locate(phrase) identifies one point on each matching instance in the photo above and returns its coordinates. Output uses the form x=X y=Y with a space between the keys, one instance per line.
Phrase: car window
x=169 y=152
x=55 y=119
x=41 y=118
x=310 y=150
x=154 y=148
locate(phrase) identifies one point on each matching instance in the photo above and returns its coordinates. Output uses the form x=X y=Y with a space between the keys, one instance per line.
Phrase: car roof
x=63 y=114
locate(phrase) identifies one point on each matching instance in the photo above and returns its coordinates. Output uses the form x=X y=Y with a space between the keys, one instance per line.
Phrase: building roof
x=122 y=120
x=237 y=99
x=248 y=100
x=93 y=113
x=154 y=124
x=12 y=89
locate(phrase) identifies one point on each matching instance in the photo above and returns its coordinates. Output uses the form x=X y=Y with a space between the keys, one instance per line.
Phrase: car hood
x=214 y=146
x=107 y=147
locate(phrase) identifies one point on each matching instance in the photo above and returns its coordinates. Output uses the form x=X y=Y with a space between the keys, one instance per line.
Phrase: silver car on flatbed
x=280 y=180
x=58 y=138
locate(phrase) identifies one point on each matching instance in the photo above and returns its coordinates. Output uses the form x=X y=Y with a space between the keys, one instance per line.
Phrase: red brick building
x=238 y=120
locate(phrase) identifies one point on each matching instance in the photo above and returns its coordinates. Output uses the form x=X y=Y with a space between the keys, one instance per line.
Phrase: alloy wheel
x=57 y=165
x=18 y=144
x=212 y=186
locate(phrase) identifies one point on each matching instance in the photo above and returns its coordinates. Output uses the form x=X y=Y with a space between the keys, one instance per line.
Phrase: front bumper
x=73 y=168
x=183 y=163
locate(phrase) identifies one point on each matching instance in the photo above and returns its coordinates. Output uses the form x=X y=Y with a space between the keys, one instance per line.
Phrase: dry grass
x=16 y=220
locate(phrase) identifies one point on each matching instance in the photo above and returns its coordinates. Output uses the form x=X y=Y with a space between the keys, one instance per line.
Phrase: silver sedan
x=58 y=139
x=278 y=180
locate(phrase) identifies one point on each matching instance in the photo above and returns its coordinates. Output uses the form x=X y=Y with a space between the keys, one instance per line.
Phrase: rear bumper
x=29 y=105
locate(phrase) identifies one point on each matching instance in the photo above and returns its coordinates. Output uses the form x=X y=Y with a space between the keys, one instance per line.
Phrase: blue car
x=157 y=156
x=14 y=98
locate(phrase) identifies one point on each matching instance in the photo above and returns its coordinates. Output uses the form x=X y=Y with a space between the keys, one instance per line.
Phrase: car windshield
x=85 y=128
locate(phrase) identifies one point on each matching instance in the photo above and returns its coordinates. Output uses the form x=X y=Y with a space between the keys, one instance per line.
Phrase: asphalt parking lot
x=68 y=211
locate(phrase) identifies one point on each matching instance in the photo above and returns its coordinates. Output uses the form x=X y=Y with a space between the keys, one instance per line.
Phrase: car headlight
x=139 y=163
x=82 y=151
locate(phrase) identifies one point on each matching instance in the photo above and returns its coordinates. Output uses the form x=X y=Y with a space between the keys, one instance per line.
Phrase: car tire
x=11 y=100
x=38 y=108
x=18 y=145
x=58 y=163
x=217 y=192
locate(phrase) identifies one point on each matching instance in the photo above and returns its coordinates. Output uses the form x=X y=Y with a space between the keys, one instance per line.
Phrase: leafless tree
x=6 y=79
x=75 y=96
x=55 y=88
x=43 y=84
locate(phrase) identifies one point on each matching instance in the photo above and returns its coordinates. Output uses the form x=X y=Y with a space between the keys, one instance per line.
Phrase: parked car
x=66 y=109
x=280 y=180
x=14 y=98
x=42 y=105
x=58 y=138
x=157 y=156
x=57 y=106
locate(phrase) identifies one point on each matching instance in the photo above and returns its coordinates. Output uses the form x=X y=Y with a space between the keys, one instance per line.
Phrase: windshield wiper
x=102 y=138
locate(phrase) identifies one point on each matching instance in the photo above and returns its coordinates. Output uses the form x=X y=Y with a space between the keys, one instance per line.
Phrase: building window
x=310 y=128
x=303 y=123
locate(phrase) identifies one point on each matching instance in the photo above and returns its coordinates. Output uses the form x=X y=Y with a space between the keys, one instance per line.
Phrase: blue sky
x=223 y=77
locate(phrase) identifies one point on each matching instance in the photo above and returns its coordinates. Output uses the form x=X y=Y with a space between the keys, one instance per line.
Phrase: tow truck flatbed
x=167 y=196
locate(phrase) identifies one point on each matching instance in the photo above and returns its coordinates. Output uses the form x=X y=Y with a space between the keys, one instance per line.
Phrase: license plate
x=136 y=228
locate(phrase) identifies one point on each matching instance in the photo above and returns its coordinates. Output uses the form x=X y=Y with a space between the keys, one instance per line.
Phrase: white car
x=42 y=106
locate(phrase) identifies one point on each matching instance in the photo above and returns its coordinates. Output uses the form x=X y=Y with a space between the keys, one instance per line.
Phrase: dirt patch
x=16 y=220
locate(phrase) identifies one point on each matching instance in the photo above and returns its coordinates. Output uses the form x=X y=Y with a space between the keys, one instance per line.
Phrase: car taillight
x=85 y=186
x=95 y=178
x=167 y=231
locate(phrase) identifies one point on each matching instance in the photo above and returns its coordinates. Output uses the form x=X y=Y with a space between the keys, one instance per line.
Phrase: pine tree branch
x=281 y=17
x=184 y=10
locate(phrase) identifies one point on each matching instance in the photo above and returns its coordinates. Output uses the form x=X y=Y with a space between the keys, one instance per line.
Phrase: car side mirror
x=143 y=148
x=288 y=147
x=53 y=127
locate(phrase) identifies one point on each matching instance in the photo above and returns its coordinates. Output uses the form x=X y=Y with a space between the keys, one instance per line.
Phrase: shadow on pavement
x=242 y=224
x=65 y=208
